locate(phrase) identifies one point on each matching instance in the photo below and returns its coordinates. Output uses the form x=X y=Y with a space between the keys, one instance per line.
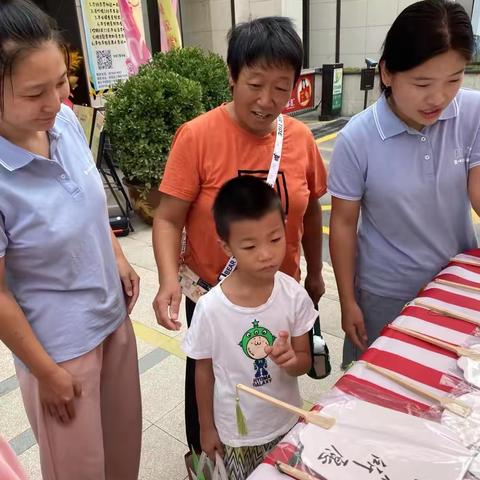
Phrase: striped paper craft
x=468 y=257
x=412 y=349
x=464 y=275
x=472 y=298
x=372 y=392
x=452 y=324
x=435 y=331
x=417 y=372
x=362 y=373
x=461 y=303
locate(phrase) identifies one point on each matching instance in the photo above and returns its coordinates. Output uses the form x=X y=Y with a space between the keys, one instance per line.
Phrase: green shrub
x=207 y=68
x=142 y=117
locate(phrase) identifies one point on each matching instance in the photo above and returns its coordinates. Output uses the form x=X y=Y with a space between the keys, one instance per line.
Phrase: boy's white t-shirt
x=234 y=338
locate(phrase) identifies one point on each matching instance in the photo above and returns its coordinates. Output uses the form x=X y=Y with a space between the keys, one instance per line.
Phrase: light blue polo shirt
x=55 y=237
x=415 y=210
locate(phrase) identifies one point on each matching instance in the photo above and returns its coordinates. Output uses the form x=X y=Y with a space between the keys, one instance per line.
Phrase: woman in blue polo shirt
x=62 y=306
x=407 y=167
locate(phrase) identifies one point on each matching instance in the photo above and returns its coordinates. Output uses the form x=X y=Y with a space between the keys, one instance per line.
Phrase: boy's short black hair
x=272 y=40
x=243 y=198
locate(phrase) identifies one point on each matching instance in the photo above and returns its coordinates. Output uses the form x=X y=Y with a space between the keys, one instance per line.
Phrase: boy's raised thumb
x=283 y=336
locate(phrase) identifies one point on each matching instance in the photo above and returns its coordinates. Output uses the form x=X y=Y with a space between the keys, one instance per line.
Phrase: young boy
x=252 y=328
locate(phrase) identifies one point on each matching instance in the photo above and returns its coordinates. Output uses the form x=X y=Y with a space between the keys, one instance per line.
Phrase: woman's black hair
x=23 y=27
x=422 y=31
x=272 y=40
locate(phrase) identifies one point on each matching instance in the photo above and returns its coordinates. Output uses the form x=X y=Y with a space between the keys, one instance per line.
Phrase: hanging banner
x=169 y=24
x=115 y=40
x=132 y=19
x=163 y=34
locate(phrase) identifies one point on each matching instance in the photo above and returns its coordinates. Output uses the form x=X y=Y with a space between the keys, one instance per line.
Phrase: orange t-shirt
x=211 y=149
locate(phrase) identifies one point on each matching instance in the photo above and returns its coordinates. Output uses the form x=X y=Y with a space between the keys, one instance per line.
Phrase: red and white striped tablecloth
x=431 y=367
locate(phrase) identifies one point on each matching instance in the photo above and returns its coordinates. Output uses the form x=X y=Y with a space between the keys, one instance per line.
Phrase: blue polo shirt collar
x=389 y=125
x=15 y=157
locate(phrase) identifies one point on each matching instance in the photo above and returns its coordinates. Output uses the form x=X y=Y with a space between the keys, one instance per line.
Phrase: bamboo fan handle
x=466 y=262
x=456 y=285
x=404 y=382
x=426 y=338
x=456 y=406
x=320 y=420
x=293 y=472
x=272 y=400
x=444 y=311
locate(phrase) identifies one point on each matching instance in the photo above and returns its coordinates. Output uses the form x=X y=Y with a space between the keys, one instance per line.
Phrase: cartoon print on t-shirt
x=253 y=344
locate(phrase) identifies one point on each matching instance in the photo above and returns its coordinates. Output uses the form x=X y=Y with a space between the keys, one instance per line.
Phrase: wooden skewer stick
x=459 y=350
x=293 y=472
x=465 y=261
x=457 y=285
x=446 y=312
x=310 y=417
x=456 y=406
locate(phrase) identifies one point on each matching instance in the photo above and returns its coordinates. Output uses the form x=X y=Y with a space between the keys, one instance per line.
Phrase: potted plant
x=141 y=118
x=207 y=68
x=144 y=112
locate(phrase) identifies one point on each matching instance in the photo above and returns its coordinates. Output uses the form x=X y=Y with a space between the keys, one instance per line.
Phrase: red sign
x=303 y=94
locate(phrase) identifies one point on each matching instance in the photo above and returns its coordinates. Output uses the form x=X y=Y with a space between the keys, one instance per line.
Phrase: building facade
x=363 y=24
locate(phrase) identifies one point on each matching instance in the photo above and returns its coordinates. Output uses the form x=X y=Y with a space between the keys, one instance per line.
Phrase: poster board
x=113 y=41
x=85 y=116
x=96 y=143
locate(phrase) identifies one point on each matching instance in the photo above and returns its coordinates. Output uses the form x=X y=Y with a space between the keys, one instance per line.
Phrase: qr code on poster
x=104 y=59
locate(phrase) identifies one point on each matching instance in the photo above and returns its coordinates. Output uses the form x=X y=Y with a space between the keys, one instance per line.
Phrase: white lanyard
x=271 y=180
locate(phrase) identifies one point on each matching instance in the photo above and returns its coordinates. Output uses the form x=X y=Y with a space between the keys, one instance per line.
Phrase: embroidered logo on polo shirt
x=462 y=155
x=89 y=169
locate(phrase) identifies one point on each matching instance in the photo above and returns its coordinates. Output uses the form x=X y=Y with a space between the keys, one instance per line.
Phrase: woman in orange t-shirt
x=264 y=58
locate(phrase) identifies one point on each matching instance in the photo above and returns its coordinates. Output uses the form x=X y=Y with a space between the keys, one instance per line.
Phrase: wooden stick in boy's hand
x=314 y=418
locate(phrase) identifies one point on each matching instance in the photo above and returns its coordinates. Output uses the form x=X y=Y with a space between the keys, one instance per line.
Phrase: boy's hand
x=210 y=442
x=282 y=352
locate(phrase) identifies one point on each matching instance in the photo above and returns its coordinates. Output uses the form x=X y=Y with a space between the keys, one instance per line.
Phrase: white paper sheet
x=475 y=467
x=471 y=368
x=369 y=442
x=468 y=429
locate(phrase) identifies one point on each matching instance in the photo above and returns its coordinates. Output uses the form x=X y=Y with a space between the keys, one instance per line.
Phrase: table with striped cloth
x=434 y=368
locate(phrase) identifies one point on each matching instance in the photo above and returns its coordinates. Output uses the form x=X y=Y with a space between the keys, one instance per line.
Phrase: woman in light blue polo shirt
x=62 y=306
x=407 y=167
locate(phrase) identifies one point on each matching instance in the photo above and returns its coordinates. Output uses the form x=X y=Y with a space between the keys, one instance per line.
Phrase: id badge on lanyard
x=192 y=285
